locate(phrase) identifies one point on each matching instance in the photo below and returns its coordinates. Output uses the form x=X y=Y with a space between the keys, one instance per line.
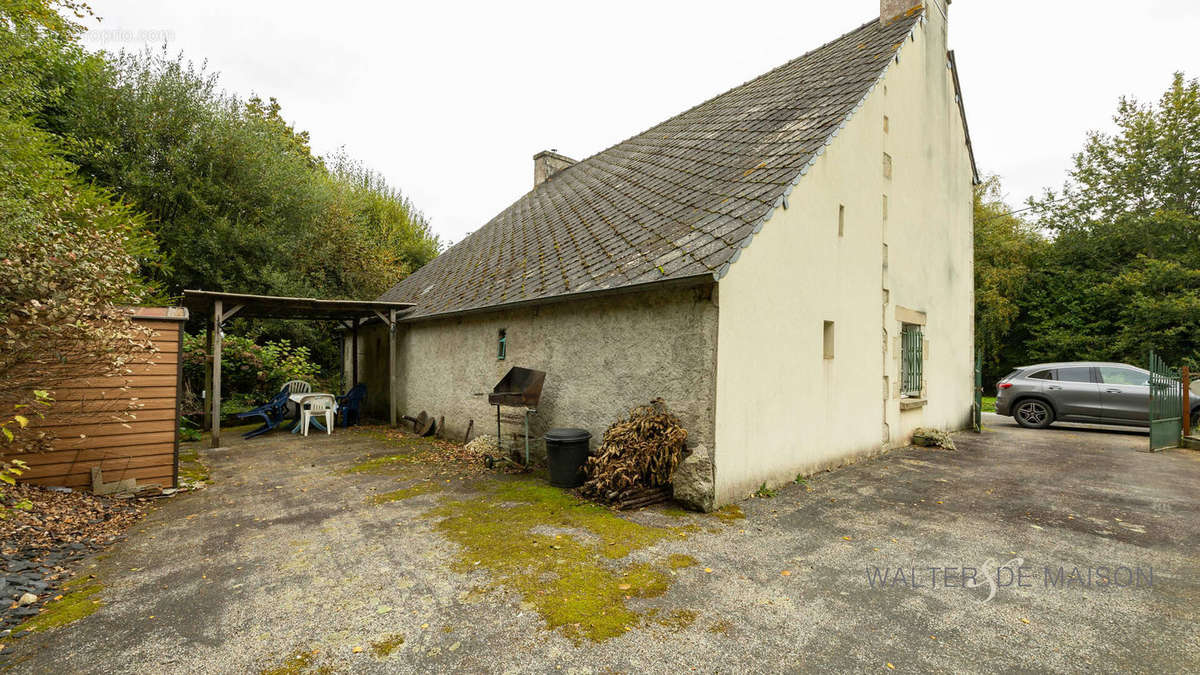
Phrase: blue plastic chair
x=273 y=414
x=350 y=404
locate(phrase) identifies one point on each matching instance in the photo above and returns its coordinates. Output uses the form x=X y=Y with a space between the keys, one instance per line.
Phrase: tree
x=234 y=194
x=1006 y=248
x=69 y=252
x=1120 y=276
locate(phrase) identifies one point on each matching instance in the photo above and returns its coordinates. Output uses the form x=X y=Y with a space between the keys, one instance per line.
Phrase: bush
x=249 y=371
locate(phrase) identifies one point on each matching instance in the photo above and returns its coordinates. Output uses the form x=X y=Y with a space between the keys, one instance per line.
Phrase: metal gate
x=1166 y=405
x=977 y=411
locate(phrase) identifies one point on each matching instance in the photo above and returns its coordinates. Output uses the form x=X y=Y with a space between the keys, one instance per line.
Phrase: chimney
x=890 y=10
x=547 y=163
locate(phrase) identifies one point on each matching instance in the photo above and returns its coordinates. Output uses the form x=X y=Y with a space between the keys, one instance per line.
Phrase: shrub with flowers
x=248 y=370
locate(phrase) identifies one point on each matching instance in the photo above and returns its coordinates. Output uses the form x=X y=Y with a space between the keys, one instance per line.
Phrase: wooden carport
x=220 y=307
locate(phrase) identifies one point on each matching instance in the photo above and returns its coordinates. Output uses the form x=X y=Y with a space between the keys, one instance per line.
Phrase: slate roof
x=676 y=201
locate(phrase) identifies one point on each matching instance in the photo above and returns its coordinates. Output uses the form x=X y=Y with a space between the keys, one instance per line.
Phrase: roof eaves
x=962 y=113
x=721 y=271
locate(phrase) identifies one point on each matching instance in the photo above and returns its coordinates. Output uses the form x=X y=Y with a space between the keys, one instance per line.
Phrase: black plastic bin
x=566 y=452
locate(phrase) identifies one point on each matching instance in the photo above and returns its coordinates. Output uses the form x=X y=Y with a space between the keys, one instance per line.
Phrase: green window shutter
x=912 y=354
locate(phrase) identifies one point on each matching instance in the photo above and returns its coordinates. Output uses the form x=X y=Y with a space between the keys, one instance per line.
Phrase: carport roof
x=201 y=303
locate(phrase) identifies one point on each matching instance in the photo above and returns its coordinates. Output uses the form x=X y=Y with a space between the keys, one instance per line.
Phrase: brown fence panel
x=92 y=422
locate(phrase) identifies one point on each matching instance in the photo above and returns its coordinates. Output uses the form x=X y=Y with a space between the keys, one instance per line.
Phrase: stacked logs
x=636 y=498
x=636 y=458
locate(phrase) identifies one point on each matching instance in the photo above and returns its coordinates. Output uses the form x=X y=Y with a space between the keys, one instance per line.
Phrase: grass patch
x=386 y=646
x=989 y=404
x=729 y=513
x=424 y=487
x=678 y=561
x=76 y=603
x=576 y=583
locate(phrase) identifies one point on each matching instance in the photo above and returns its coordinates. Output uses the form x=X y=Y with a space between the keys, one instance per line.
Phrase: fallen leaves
x=58 y=518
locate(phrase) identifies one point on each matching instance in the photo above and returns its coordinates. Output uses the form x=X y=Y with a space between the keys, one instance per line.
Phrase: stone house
x=788 y=264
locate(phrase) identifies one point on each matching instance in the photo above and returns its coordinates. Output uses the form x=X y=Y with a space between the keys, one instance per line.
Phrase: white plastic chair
x=317 y=405
x=296 y=387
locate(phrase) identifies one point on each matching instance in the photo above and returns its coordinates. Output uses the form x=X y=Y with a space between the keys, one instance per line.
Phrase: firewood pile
x=636 y=458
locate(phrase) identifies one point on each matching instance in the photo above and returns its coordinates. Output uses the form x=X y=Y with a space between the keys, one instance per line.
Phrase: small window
x=887 y=166
x=885 y=124
x=1113 y=375
x=1076 y=374
x=1042 y=375
x=827 y=339
x=912 y=360
x=841 y=219
x=501 y=345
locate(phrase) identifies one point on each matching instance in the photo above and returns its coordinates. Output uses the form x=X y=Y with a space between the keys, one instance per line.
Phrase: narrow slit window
x=841 y=220
x=501 y=345
x=827 y=339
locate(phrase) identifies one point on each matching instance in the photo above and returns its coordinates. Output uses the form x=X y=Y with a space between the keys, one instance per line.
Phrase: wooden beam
x=208 y=371
x=215 y=399
x=391 y=322
x=354 y=356
x=232 y=310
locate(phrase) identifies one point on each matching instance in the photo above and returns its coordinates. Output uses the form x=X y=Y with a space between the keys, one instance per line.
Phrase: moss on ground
x=424 y=487
x=412 y=453
x=677 y=561
x=300 y=661
x=729 y=512
x=575 y=582
x=384 y=648
x=679 y=619
x=191 y=469
x=675 y=511
x=721 y=627
x=393 y=464
x=77 y=602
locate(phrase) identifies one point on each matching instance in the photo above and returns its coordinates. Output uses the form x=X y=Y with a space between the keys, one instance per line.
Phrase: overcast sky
x=450 y=101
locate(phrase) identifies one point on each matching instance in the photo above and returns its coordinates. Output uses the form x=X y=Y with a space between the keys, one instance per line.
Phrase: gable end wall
x=783 y=408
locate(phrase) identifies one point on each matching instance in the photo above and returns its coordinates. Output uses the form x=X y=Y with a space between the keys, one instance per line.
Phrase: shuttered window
x=911 y=360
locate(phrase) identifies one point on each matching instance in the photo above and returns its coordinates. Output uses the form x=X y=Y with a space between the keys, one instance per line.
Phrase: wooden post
x=215 y=393
x=208 y=346
x=354 y=355
x=392 y=366
x=1187 y=400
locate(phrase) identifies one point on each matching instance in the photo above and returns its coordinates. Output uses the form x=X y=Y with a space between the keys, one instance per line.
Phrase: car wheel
x=1033 y=414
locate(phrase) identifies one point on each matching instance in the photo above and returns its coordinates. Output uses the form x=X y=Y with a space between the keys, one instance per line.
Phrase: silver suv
x=1081 y=391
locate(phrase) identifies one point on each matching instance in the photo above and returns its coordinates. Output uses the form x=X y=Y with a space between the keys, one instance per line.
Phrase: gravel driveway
x=332 y=554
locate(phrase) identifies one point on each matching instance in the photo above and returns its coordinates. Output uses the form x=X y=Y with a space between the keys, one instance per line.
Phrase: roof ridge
x=717 y=96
